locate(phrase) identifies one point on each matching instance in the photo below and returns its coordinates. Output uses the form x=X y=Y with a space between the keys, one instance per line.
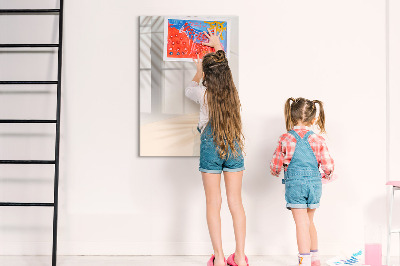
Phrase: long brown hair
x=223 y=104
x=303 y=110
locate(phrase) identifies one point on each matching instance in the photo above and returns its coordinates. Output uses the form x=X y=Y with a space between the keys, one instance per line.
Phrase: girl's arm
x=213 y=39
x=327 y=163
x=199 y=70
x=194 y=91
x=277 y=159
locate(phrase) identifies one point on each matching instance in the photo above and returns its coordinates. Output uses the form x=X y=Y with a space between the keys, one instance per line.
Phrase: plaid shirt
x=287 y=144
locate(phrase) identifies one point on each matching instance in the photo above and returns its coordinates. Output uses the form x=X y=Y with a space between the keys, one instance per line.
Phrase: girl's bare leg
x=313 y=230
x=302 y=221
x=233 y=183
x=212 y=188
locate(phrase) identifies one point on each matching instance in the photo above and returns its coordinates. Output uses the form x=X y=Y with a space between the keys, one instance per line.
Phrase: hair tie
x=218 y=64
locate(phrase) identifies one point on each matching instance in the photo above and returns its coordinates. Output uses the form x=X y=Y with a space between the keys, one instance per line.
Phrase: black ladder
x=57 y=82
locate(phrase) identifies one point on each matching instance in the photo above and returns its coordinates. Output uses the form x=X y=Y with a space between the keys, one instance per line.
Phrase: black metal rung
x=29 y=82
x=27 y=161
x=29 y=204
x=32 y=45
x=7 y=11
x=27 y=121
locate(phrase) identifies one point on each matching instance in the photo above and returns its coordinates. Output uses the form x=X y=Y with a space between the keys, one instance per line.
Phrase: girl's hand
x=213 y=39
x=199 y=65
x=199 y=72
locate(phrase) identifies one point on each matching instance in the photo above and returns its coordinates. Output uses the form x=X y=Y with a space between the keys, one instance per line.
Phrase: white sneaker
x=304 y=260
x=315 y=259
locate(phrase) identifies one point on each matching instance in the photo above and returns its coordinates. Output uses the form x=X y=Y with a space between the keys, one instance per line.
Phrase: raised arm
x=213 y=39
x=199 y=72
x=194 y=91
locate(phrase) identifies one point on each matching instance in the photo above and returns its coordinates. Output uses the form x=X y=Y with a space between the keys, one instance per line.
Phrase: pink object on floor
x=373 y=254
x=326 y=181
x=211 y=260
x=231 y=260
x=393 y=183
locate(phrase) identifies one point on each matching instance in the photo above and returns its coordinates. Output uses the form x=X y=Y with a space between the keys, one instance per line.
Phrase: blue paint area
x=198 y=27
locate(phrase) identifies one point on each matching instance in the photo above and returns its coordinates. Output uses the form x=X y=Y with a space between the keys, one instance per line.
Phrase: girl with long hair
x=221 y=147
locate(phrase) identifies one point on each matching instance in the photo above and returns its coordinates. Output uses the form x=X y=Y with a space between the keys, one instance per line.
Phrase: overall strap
x=303 y=164
x=294 y=133
x=308 y=134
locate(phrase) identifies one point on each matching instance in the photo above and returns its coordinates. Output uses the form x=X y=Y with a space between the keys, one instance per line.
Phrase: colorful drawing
x=183 y=37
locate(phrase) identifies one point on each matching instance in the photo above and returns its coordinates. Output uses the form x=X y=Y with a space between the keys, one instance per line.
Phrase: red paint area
x=181 y=46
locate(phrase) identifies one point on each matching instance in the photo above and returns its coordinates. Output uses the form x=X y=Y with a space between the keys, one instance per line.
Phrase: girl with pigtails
x=302 y=154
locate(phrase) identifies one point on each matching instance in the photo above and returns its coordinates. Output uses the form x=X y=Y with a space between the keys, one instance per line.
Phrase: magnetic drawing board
x=183 y=37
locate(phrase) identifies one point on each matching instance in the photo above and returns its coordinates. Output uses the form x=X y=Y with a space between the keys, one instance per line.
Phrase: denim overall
x=211 y=162
x=302 y=181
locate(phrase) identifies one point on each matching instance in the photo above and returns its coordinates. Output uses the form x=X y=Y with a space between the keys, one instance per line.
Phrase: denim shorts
x=303 y=193
x=210 y=160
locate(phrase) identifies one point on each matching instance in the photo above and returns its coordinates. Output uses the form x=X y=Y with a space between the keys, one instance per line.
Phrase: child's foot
x=304 y=260
x=316 y=263
x=315 y=258
x=215 y=261
x=241 y=260
x=238 y=260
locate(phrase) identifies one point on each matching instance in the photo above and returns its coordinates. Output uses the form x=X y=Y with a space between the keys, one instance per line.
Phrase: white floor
x=142 y=260
x=135 y=260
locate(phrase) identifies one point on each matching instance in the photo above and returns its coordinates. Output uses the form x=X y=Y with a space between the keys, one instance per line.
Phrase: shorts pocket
x=317 y=187
x=207 y=145
x=293 y=191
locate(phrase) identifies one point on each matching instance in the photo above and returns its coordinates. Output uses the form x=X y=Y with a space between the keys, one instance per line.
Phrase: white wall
x=114 y=202
x=394 y=110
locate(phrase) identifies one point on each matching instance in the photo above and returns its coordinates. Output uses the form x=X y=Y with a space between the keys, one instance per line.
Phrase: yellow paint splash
x=216 y=25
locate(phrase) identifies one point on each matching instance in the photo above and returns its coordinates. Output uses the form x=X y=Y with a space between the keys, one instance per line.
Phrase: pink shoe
x=211 y=261
x=231 y=260
x=316 y=263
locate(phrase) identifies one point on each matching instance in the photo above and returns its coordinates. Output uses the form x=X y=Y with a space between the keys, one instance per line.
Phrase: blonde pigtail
x=288 y=114
x=321 y=116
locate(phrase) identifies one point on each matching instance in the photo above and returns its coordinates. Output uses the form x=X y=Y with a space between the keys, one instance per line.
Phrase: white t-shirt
x=196 y=92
